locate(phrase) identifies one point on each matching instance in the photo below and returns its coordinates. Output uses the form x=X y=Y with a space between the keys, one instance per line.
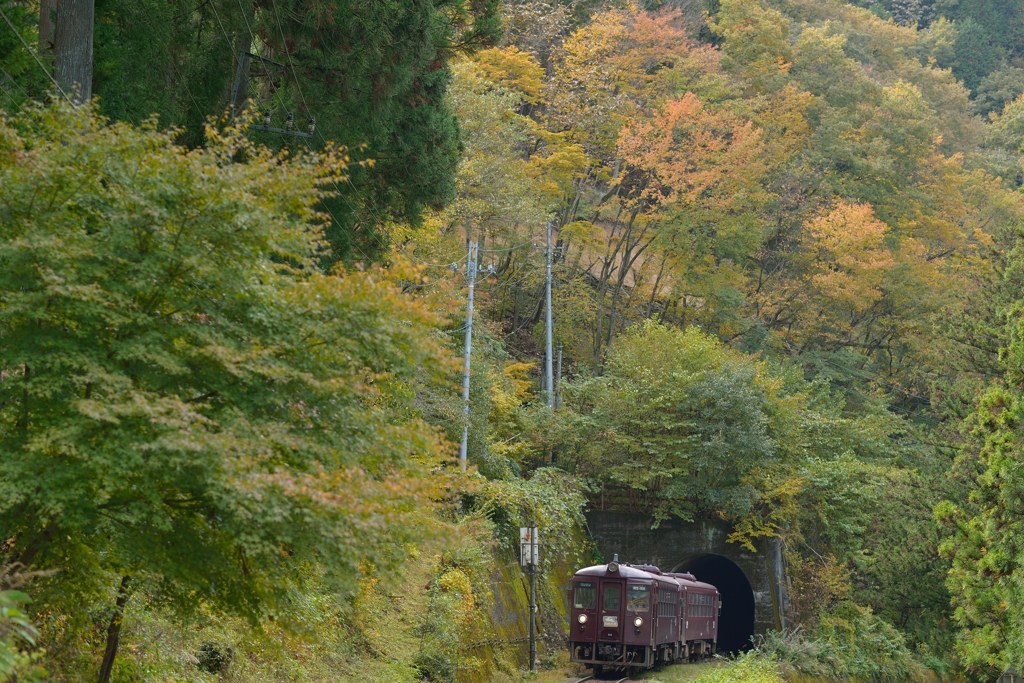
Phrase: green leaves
x=680 y=418
x=183 y=388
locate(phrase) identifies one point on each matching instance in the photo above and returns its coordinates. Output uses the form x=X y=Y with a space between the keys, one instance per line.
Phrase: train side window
x=611 y=597
x=585 y=596
x=666 y=603
x=638 y=598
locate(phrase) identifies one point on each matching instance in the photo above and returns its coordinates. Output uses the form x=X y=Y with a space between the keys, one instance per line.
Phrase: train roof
x=627 y=571
x=688 y=580
x=624 y=571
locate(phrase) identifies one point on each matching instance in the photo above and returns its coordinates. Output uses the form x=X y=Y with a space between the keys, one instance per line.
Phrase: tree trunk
x=657 y=285
x=72 y=47
x=47 y=8
x=114 y=631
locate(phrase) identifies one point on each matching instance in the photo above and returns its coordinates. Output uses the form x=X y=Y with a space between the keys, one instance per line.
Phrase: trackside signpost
x=529 y=558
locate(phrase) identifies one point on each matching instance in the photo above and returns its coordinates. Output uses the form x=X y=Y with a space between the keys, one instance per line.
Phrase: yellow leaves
x=513 y=69
x=756 y=41
x=612 y=68
x=519 y=375
x=852 y=255
x=508 y=391
x=851 y=232
x=582 y=234
x=564 y=162
x=455 y=583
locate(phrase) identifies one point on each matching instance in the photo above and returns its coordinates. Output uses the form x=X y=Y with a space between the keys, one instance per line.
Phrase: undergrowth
x=848 y=643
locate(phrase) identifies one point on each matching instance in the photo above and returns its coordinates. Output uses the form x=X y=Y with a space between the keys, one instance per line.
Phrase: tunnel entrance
x=736 y=626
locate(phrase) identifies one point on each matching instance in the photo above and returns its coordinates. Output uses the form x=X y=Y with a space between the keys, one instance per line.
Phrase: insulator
x=312 y=124
x=266 y=118
x=290 y=121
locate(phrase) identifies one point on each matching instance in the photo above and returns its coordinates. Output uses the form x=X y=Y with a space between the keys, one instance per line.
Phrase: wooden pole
x=72 y=47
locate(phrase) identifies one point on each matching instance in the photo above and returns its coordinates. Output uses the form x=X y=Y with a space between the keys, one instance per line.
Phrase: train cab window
x=638 y=598
x=611 y=597
x=585 y=596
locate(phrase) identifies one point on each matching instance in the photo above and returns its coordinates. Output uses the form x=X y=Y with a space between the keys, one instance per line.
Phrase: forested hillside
x=786 y=294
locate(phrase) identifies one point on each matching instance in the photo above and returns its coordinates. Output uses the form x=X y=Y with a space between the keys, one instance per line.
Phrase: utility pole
x=558 y=381
x=533 y=616
x=72 y=46
x=547 y=326
x=471 y=257
x=529 y=557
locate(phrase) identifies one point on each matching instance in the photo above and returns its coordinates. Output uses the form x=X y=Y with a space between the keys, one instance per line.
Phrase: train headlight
x=638 y=622
x=582 y=618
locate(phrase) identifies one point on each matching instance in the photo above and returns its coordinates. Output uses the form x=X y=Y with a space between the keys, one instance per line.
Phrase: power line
x=284 y=44
x=247 y=26
x=302 y=97
x=298 y=88
x=259 y=99
x=35 y=57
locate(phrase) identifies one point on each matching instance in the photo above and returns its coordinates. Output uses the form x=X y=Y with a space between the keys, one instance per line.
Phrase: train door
x=682 y=615
x=611 y=610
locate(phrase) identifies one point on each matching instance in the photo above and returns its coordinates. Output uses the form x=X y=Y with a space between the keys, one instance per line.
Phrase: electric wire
x=259 y=100
x=17 y=85
x=302 y=97
x=308 y=113
x=35 y=57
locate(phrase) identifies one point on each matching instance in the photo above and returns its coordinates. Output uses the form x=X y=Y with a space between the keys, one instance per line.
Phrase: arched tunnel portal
x=736 y=627
x=752 y=582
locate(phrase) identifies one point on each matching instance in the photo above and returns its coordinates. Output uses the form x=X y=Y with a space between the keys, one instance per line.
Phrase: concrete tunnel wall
x=682 y=546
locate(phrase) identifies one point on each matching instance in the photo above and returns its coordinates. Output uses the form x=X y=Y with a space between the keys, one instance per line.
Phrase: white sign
x=529 y=546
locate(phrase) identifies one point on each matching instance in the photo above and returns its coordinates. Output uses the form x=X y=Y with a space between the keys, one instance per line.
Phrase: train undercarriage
x=618 y=656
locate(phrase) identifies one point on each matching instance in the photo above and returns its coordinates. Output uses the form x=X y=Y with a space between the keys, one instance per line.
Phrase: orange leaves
x=689 y=150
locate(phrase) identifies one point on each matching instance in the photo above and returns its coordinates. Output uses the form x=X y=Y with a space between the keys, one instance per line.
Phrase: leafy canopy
x=184 y=392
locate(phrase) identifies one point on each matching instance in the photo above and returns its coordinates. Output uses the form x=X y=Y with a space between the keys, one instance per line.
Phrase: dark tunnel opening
x=736 y=626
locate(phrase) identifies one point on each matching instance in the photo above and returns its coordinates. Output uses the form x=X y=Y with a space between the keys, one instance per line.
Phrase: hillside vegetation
x=786 y=294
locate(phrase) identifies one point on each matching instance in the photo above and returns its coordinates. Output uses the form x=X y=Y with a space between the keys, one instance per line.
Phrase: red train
x=635 y=616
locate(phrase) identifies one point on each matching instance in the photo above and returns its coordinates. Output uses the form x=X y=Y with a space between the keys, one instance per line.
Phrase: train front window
x=638 y=598
x=586 y=596
x=611 y=597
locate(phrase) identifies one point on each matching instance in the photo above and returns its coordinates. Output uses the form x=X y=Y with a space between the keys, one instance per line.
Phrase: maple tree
x=188 y=400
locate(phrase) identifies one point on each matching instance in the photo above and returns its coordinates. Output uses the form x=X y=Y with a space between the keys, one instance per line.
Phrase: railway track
x=591 y=678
